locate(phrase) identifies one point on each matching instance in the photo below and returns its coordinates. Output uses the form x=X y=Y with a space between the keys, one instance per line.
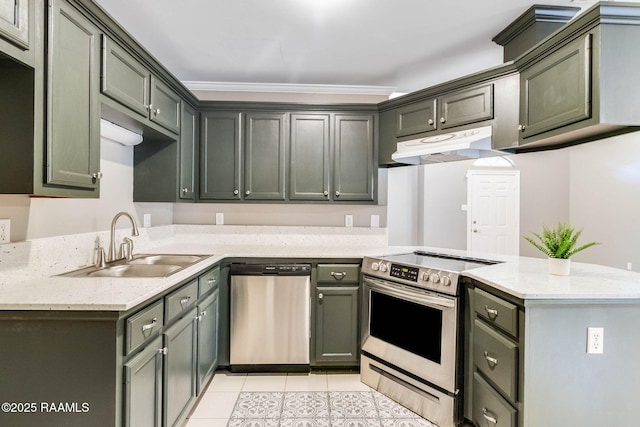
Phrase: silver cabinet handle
x=337 y=193
x=212 y=281
x=320 y=296
x=492 y=361
x=489 y=416
x=247 y=192
x=521 y=128
x=148 y=107
x=96 y=175
x=492 y=312
x=203 y=313
x=151 y=325
x=184 y=300
x=156 y=111
x=430 y=122
x=339 y=275
x=443 y=120
x=185 y=190
x=163 y=350
x=235 y=192
x=325 y=193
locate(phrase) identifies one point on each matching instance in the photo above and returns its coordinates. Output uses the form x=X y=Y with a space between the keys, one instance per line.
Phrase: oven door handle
x=415 y=296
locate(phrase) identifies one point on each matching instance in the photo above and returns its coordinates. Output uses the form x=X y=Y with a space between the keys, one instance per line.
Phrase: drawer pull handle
x=492 y=312
x=184 y=300
x=151 y=325
x=163 y=350
x=339 y=275
x=492 y=361
x=489 y=416
x=212 y=282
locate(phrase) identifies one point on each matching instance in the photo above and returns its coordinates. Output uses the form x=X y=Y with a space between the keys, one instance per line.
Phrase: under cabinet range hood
x=448 y=147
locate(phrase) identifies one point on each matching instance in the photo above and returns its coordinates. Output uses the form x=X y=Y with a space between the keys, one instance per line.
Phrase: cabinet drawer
x=208 y=281
x=496 y=357
x=489 y=408
x=497 y=311
x=339 y=273
x=143 y=325
x=180 y=300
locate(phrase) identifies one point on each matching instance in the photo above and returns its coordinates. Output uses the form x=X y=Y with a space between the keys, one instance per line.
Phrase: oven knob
x=446 y=281
x=425 y=277
x=383 y=267
x=435 y=278
x=375 y=266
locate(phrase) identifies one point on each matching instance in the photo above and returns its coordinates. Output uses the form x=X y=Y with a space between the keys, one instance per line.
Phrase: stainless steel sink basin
x=142 y=265
x=182 y=260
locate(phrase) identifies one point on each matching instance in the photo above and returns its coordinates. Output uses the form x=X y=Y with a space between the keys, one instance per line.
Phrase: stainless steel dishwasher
x=270 y=310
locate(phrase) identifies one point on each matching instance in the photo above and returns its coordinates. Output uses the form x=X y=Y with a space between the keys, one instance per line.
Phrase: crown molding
x=288 y=88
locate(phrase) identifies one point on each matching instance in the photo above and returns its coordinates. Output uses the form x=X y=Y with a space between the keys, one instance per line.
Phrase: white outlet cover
x=5 y=230
x=219 y=218
x=146 y=220
x=348 y=220
x=595 y=340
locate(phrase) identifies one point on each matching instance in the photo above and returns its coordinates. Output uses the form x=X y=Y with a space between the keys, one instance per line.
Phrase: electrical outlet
x=348 y=220
x=146 y=220
x=5 y=231
x=595 y=340
x=629 y=266
x=219 y=218
x=375 y=221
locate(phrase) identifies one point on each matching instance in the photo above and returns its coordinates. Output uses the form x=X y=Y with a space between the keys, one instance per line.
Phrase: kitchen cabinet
x=180 y=361
x=354 y=162
x=189 y=137
x=456 y=108
x=14 y=22
x=127 y=81
x=556 y=91
x=73 y=108
x=143 y=387
x=332 y=157
x=496 y=360
x=265 y=145
x=575 y=86
x=337 y=315
x=207 y=350
x=220 y=156
x=310 y=162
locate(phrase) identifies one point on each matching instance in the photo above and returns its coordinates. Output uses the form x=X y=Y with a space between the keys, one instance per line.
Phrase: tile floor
x=297 y=400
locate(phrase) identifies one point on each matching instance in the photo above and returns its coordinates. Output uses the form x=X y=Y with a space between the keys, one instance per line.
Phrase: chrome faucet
x=126 y=248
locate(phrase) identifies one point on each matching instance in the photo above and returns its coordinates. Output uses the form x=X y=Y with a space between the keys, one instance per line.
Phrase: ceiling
x=389 y=46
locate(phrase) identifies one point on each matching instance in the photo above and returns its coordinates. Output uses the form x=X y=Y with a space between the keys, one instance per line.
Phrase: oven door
x=413 y=329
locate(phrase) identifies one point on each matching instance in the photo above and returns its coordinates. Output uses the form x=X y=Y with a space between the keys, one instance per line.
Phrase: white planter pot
x=559 y=266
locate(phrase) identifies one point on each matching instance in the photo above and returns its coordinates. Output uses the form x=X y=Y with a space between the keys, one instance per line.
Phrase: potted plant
x=559 y=244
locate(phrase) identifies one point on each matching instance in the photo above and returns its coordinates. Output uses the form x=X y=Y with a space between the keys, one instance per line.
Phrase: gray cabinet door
x=187 y=160
x=164 y=108
x=220 y=162
x=336 y=330
x=179 y=368
x=124 y=79
x=143 y=387
x=14 y=22
x=264 y=156
x=354 y=158
x=207 y=339
x=466 y=106
x=73 y=108
x=310 y=163
x=416 y=118
x=556 y=91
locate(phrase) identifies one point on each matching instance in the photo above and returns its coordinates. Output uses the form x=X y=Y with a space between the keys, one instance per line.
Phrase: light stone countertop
x=524 y=278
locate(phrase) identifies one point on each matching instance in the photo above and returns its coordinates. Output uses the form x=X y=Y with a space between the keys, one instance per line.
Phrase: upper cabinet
x=575 y=86
x=189 y=137
x=14 y=22
x=127 y=81
x=73 y=107
x=306 y=156
x=456 y=108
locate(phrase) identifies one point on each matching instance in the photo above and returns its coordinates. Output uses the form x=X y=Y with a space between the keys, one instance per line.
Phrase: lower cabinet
x=336 y=315
x=143 y=387
x=207 y=339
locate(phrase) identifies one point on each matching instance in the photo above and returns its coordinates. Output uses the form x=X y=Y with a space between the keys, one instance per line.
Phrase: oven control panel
x=404 y=272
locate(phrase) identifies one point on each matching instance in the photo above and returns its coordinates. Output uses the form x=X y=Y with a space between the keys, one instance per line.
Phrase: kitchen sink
x=142 y=265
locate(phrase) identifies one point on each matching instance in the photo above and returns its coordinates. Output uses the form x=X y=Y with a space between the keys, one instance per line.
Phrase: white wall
x=403 y=206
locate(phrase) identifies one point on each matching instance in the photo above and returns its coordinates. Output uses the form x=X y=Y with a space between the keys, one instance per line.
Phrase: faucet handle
x=100 y=258
x=126 y=249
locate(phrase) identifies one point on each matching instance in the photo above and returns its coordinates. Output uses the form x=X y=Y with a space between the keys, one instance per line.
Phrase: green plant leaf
x=559 y=241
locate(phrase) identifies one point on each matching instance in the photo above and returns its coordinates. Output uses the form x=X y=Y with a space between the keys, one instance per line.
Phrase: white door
x=493 y=211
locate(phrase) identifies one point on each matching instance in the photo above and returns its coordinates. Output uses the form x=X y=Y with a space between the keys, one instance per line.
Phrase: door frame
x=480 y=172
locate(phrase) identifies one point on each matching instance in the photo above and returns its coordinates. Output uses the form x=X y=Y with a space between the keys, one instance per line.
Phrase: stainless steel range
x=411 y=345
